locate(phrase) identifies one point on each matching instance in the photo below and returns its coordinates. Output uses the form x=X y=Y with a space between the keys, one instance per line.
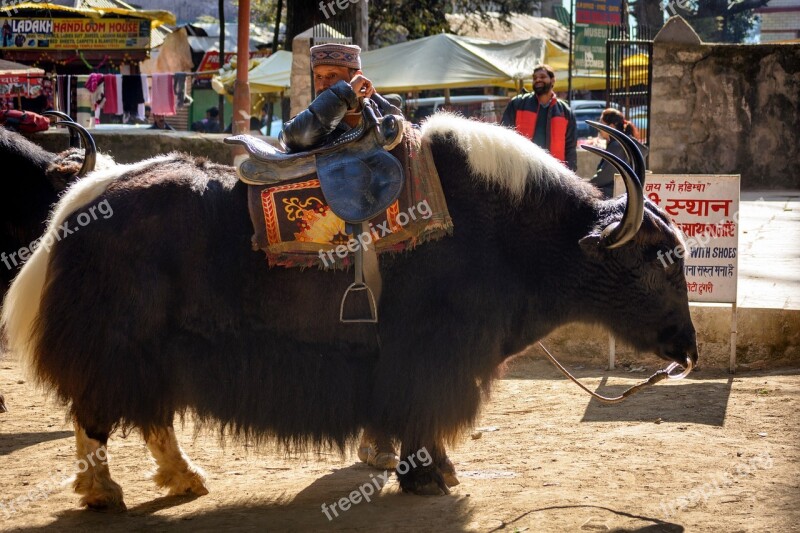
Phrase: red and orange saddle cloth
x=296 y=228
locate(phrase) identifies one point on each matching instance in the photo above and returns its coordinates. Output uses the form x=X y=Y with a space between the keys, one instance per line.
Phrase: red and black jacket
x=521 y=114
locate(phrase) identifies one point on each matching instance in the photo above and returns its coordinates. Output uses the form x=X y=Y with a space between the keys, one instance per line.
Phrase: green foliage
x=722 y=21
x=389 y=19
x=263 y=11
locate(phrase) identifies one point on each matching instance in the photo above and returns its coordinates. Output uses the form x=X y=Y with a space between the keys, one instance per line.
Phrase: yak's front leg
x=93 y=481
x=175 y=471
x=426 y=469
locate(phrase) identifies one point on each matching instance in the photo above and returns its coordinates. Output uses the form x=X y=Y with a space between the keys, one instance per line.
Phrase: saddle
x=358 y=177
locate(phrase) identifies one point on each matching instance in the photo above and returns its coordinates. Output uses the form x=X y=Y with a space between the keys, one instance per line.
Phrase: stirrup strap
x=359 y=286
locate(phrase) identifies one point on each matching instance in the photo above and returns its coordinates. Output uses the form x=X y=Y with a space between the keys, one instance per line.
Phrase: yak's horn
x=74 y=140
x=618 y=233
x=89 y=148
x=628 y=145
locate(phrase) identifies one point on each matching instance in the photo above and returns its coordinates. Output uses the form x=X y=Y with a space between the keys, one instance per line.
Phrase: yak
x=164 y=308
x=34 y=179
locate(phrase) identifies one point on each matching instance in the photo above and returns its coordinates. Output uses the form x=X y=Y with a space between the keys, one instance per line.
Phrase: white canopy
x=450 y=61
x=436 y=62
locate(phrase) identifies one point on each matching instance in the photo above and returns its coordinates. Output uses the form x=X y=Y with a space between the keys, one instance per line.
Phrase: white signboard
x=706 y=209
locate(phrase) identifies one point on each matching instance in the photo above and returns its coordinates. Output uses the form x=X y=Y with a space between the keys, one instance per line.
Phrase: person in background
x=544 y=119
x=210 y=124
x=160 y=123
x=603 y=178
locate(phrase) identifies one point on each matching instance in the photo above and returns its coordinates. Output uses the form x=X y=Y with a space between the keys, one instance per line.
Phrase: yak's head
x=33 y=179
x=636 y=265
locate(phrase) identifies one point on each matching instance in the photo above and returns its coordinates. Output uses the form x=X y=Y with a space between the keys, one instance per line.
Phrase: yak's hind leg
x=175 y=471
x=93 y=481
x=426 y=469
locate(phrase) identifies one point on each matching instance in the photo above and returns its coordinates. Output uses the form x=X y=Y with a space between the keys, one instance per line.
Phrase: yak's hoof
x=104 y=506
x=182 y=482
x=449 y=473
x=425 y=481
x=450 y=479
x=99 y=494
x=108 y=502
x=380 y=460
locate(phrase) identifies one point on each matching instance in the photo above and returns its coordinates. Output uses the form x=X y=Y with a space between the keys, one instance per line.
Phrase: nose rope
x=661 y=375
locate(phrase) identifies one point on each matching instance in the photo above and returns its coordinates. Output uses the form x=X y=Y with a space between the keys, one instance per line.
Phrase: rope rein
x=664 y=373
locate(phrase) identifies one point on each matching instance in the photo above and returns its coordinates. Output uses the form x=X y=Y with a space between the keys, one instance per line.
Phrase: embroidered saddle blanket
x=295 y=226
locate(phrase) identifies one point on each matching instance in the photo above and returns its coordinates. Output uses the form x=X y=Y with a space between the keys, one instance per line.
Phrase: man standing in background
x=544 y=119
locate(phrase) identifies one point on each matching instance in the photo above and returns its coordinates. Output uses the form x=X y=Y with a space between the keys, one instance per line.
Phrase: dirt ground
x=709 y=453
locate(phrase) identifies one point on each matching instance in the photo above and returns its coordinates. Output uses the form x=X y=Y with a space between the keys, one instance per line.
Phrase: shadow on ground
x=390 y=511
x=11 y=442
x=702 y=402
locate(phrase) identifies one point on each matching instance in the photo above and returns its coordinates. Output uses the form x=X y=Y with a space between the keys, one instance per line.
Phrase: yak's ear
x=591 y=245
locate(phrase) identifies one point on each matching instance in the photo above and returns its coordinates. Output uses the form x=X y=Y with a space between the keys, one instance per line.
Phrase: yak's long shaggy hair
x=164 y=306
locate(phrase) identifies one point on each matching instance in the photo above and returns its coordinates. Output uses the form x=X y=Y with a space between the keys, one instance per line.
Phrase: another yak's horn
x=74 y=140
x=618 y=233
x=89 y=148
x=630 y=147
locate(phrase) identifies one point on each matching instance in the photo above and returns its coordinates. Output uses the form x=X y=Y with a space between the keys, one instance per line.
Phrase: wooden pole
x=734 y=331
x=241 y=91
x=221 y=98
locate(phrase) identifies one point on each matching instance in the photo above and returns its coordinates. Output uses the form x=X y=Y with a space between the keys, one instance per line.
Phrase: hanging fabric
x=146 y=95
x=132 y=94
x=179 y=88
x=120 y=110
x=110 y=91
x=163 y=97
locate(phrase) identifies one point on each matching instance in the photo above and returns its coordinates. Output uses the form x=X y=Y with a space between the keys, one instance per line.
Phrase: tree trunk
x=277 y=29
x=300 y=16
x=649 y=16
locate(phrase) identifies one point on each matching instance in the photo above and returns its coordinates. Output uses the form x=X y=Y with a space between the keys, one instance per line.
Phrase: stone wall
x=129 y=146
x=725 y=109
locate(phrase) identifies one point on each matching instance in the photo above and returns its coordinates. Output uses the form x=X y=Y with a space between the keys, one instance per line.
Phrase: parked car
x=485 y=107
x=587 y=110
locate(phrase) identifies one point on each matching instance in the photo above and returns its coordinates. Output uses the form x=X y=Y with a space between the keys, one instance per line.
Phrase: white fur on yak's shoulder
x=22 y=301
x=498 y=154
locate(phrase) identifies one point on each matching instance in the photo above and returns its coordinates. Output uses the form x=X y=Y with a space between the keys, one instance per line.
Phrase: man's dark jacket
x=322 y=122
x=521 y=114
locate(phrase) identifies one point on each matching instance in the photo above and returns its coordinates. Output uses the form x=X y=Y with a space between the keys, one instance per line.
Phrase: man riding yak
x=340 y=88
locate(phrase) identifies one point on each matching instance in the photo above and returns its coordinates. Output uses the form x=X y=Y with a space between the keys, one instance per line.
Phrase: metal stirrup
x=359 y=286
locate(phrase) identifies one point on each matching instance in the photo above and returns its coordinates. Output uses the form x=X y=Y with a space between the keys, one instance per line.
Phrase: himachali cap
x=340 y=55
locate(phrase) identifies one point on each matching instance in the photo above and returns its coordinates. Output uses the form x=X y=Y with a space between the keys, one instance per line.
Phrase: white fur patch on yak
x=498 y=154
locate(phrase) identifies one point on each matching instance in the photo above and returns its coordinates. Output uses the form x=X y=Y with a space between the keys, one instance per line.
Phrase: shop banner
x=75 y=34
x=605 y=12
x=590 y=48
x=24 y=86
x=210 y=61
